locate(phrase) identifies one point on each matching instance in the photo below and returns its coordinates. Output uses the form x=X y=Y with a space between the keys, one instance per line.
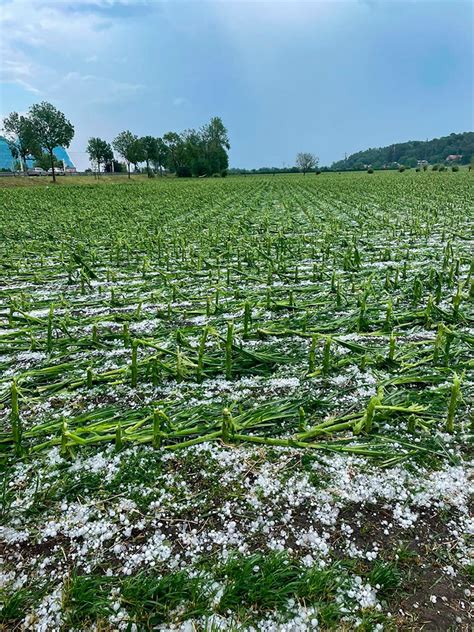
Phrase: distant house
x=422 y=163
x=453 y=157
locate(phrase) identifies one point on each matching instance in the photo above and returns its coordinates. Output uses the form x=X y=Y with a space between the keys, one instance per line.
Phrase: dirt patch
x=376 y=525
x=435 y=602
x=429 y=598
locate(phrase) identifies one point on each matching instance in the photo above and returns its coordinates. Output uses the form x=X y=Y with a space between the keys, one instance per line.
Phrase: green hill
x=434 y=151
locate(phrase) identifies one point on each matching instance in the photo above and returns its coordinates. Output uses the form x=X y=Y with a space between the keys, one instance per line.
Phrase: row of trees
x=191 y=153
x=37 y=134
x=200 y=152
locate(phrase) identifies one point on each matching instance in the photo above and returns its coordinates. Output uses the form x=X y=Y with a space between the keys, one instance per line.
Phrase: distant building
x=453 y=157
x=8 y=162
x=422 y=163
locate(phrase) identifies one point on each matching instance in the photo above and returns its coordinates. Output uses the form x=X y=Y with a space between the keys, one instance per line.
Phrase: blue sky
x=326 y=77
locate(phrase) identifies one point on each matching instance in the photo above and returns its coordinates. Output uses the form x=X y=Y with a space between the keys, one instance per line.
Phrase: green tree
x=194 y=154
x=130 y=148
x=197 y=153
x=161 y=156
x=137 y=152
x=43 y=161
x=306 y=161
x=216 y=145
x=51 y=129
x=100 y=152
x=20 y=137
x=175 y=150
x=150 y=151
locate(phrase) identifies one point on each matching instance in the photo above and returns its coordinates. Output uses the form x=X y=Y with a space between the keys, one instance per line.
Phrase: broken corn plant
x=264 y=311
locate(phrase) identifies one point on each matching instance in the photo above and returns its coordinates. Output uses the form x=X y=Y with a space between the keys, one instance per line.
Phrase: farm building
x=8 y=162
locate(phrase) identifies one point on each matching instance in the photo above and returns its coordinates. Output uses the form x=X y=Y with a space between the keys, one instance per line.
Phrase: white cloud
x=41 y=39
x=95 y=89
x=27 y=86
x=53 y=26
x=36 y=37
x=16 y=68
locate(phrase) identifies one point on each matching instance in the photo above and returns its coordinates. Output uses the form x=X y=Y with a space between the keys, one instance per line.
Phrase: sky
x=330 y=77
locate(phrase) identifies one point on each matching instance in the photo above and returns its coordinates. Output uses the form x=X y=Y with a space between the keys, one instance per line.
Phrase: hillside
x=434 y=151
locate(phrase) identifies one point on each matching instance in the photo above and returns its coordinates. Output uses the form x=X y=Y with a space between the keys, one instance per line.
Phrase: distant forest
x=434 y=151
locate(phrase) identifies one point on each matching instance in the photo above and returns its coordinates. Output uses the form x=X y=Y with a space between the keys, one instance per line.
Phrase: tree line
x=192 y=152
x=409 y=154
x=200 y=152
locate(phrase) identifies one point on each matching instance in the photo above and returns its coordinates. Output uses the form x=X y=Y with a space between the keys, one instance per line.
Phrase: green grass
x=14 y=606
x=252 y=587
x=386 y=575
x=86 y=600
x=258 y=583
x=152 y=601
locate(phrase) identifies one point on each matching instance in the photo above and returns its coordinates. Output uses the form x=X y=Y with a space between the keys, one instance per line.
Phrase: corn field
x=323 y=317
x=120 y=306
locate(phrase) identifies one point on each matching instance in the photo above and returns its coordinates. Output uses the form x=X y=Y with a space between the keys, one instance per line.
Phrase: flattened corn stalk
x=183 y=428
x=285 y=266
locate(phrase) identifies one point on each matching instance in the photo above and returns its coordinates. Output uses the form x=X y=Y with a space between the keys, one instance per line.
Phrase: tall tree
x=150 y=151
x=130 y=148
x=194 y=154
x=215 y=133
x=51 y=128
x=306 y=161
x=100 y=152
x=137 y=152
x=216 y=143
x=175 y=149
x=161 y=156
x=20 y=137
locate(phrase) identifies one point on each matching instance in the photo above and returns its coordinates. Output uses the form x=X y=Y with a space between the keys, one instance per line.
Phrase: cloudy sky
x=328 y=77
